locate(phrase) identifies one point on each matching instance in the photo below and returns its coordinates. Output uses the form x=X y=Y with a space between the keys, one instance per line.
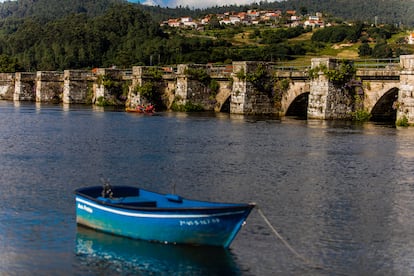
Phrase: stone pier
x=144 y=78
x=25 y=86
x=78 y=87
x=49 y=86
x=6 y=86
x=327 y=101
x=108 y=87
x=193 y=86
x=405 y=104
x=248 y=97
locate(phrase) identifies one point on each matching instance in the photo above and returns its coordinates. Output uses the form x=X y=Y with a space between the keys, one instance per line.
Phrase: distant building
x=411 y=38
x=313 y=18
x=243 y=15
x=186 y=19
x=253 y=14
x=270 y=16
x=314 y=21
x=206 y=20
x=234 y=19
x=225 y=21
x=174 y=22
x=247 y=18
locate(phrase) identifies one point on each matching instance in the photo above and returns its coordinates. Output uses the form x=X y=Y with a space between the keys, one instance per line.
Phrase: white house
x=234 y=19
x=186 y=19
x=411 y=38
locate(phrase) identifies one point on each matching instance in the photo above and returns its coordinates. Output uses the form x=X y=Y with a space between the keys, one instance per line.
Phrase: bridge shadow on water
x=101 y=252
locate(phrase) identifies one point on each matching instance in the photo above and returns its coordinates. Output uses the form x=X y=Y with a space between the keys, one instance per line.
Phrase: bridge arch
x=384 y=109
x=225 y=106
x=299 y=106
x=223 y=97
x=295 y=100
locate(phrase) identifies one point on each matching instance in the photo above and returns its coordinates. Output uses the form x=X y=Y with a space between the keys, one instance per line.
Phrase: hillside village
x=290 y=18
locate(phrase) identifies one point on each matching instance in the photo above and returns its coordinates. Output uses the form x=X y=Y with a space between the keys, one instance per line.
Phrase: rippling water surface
x=340 y=194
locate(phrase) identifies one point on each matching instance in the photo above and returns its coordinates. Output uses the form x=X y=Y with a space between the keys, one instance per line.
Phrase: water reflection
x=112 y=253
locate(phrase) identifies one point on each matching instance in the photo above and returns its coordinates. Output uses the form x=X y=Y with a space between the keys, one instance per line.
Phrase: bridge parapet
x=407 y=63
x=220 y=72
x=378 y=74
x=377 y=69
x=377 y=64
x=294 y=75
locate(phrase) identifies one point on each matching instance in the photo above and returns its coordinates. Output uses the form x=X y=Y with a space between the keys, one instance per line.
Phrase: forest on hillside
x=91 y=34
x=46 y=10
x=369 y=11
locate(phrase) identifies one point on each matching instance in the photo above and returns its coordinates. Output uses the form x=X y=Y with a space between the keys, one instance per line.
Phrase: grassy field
x=245 y=36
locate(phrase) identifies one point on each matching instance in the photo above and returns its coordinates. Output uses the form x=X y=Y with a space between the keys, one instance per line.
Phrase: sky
x=194 y=4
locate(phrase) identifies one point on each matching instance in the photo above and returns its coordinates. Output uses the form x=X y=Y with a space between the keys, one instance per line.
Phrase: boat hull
x=139 y=110
x=216 y=226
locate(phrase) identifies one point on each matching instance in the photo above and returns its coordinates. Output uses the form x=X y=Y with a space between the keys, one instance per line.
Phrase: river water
x=340 y=194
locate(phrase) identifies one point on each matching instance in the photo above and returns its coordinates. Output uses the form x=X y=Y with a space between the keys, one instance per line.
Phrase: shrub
x=403 y=121
x=361 y=115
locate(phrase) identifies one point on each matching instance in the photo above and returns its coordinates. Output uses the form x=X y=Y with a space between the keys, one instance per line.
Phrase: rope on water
x=308 y=262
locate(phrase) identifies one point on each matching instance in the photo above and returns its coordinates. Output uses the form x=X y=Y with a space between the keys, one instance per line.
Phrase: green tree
x=214 y=23
x=303 y=10
x=382 y=50
x=8 y=64
x=364 y=50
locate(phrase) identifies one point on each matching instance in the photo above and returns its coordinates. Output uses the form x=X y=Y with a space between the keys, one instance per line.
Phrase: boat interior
x=134 y=197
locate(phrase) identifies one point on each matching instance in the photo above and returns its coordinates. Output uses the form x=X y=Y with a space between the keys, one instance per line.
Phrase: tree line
x=369 y=11
x=125 y=35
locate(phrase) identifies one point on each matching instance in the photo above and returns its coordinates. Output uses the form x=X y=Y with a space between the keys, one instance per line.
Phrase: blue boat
x=168 y=218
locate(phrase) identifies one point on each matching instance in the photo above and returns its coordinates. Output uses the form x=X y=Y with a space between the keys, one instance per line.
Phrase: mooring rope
x=307 y=261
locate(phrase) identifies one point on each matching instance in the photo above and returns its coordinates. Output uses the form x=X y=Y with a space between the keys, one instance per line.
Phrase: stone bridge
x=386 y=89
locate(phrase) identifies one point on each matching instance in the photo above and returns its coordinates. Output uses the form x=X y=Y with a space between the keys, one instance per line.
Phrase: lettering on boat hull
x=85 y=208
x=197 y=222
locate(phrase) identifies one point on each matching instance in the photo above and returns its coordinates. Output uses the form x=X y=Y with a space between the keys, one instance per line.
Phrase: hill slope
x=54 y=9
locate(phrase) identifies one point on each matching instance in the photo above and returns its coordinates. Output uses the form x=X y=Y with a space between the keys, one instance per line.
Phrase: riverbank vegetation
x=124 y=35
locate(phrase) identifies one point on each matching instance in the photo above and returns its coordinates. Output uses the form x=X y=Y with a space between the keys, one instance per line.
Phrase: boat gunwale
x=212 y=208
